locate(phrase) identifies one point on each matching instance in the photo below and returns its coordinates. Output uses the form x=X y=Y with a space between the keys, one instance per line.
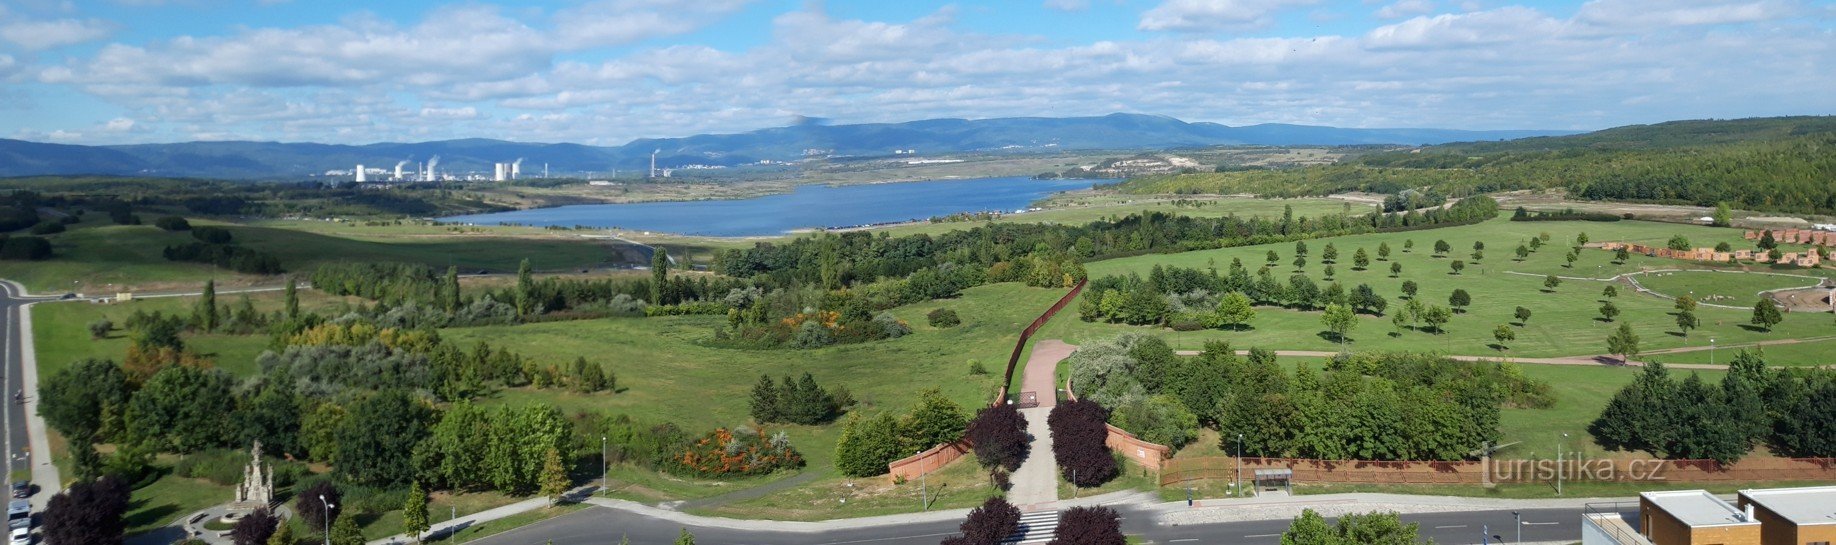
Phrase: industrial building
x=1793 y=516
x=1778 y=516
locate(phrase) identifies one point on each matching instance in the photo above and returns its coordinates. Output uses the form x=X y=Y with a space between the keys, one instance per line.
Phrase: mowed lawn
x=1563 y=321
x=60 y=331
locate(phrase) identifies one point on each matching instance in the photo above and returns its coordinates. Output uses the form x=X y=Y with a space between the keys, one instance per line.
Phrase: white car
x=21 y=536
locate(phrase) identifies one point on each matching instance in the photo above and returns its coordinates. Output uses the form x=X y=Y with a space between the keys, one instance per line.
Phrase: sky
x=604 y=72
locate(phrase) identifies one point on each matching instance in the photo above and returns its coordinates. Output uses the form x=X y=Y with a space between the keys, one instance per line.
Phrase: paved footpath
x=1035 y=484
x=1606 y=360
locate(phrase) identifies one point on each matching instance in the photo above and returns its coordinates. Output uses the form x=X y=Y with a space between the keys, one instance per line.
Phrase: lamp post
x=1711 y=350
x=1558 y=464
x=602 y=464
x=1517 y=520
x=924 y=486
x=327 y=517
x=1237 y=487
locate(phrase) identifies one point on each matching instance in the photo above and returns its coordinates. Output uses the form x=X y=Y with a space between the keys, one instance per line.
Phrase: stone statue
x=257 y=488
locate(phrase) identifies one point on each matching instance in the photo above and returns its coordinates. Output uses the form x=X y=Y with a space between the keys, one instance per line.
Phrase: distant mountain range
x=1122 y=132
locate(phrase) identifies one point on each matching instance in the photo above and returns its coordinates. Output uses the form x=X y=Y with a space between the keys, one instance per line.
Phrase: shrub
x=1185 y=322
x=999 y=436
x=1078 y=432
x=867 y=445
x=173 y=223
x=942 y=317
x=976 y=368
x=100 y=328
x=48 y=228
x=25 y=249
x=812 y=334
x=988 y=524
x=740 y=452
x=1089 y=526
x=211 y=235
x=1157 y=419
x=893 y=326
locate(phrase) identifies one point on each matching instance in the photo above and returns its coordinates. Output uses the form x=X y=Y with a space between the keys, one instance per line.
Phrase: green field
x=1563 y=323
x=1717 y=287
x=1078 y=208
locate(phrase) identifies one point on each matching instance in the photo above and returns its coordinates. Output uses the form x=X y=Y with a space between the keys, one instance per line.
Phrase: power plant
x=360 y=178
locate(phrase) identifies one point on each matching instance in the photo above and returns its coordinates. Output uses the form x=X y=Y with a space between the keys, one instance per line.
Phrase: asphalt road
x=602 y=526
x=17 y=441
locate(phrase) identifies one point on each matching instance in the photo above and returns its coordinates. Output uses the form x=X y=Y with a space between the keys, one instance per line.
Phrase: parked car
x=21 y=536
x=22 y=490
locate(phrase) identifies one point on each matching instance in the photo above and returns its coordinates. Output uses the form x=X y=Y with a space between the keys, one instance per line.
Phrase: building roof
x=1801 y=506
x=1697 y=508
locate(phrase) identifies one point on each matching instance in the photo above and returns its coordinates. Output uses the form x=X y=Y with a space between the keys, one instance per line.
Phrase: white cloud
x=119 y=124
x=467 y=112
x=1668 y=13
x=619 y=22
x=1405 y=8
x=1213 y=15
x=36 y=35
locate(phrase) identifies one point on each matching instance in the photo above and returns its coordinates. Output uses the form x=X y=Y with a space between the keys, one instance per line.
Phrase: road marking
x=1539 y=523
x=1182 y=540
x=1262 y=535
x=1446 y=527
x=886 y=538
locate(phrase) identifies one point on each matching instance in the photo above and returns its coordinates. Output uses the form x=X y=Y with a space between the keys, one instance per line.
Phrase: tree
x=1478 y=255
x=344 y=531
x=1300 y=248
x=1437 y=316
x=414 y=512
x=1096 y=525
x=1686 y=320
x=89 y=513
x=1766 y=314
x=764 y=403
x=1523 y=252
x=1408 y=245
x=1766 y=242
x=999 y=437
x=1610 y=291
x=659 y=275
x=525 y=289
x=1457 y=266
x=84 y=399
x=1621 y=255
x=1459 y=300
x=293 y=299
x=685 y=538
x=1581 y=238
x=1551 y=282
x=449 y=296
x=255 y=528
x=1401 y=319
x=1723 y=216
x=1310 y=529
x=1504 y=334
x=1409 y=288
x=1329 y=255
x=206 y=313
x=1273 y=258
x=182 y=409
x=1300 y=263
x=1079 y=430
x=1609 y=311
x=1395 y=269
x=1523 y=316
x=99 y=329
x=1623 y=343
x=1571 y=258
x=554 y=476
x=1383 y=251
x=988 y=524
x=935 y=421
x=1235 y=310
x=1360 y=260
x=376 y=441
x=1678 y=242
x=1441 y=247
x=1329 y=272
x=283 y=535
x=310 y=505
x=867 y=445
x=1339 y=320
x=1536 y=244
x=1685 y=303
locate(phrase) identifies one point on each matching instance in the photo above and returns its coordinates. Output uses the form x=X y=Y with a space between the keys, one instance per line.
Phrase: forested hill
x=1774 y=164
x=296 y=161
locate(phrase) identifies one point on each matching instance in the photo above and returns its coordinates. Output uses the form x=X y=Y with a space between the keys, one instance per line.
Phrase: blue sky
x=607 y=71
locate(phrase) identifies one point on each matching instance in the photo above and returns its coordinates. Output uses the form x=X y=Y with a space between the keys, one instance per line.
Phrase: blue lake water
x=808 y=206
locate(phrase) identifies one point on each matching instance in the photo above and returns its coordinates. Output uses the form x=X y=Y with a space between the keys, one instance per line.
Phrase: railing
x=1028 y=334
x=1621 y=533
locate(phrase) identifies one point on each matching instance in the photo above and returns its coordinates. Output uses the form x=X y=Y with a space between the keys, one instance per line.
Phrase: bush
x=173 y=223
x=211 y=235
x=893 y=326
x=1157 y=419
x=741 y=452
x=25 y=249
x=867 y=445
x=48 y=228
x=1078 y=432
x=999 y=436
x=812 y=334
x=976 y=368
x=1090 y=526
x=1185 y=322
x=988 y=524
x=100 y=328
x=943 y=317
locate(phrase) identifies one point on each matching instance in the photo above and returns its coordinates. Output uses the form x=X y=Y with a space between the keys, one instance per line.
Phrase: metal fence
x=1027 y=334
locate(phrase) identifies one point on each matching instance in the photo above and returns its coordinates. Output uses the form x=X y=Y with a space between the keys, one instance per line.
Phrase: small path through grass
x=1591 y=359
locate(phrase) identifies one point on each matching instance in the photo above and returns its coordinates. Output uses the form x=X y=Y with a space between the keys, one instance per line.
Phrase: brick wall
x=928 y=461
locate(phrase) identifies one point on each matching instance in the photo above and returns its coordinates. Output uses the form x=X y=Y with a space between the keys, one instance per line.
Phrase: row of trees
x=1787 y=410
x=800 y=402
x=993 y=522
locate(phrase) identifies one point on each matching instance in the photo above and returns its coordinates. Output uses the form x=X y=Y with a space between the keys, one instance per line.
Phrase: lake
x=808 y=206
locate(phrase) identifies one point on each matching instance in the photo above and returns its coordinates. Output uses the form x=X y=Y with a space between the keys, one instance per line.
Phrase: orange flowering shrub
x=725 y=453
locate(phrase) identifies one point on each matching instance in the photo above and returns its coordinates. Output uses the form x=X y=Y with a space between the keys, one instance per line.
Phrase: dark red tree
x=1078 y=431
x=88 y=513
x=988 y=525
x=255 y=528
x=312 y=511
x=1089 y=526
x=999 y=436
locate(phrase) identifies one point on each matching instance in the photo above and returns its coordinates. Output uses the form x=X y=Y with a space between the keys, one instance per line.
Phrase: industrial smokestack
x=516 y=168
x=398 y=170
x=431 y=163
x=360 y=173
x=653 y=163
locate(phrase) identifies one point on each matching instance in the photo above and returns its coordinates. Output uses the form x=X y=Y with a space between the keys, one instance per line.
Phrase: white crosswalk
x=1037 y=527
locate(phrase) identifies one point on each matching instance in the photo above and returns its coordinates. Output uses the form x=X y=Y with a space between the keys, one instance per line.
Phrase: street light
x=327 y=517
x=602 y=464
x=1711 y=350
x=924 y=485
x=1558 y=464
x=1237 y=487
x=1517 y=520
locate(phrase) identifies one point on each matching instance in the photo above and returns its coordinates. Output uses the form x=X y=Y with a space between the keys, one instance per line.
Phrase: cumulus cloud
x=619 y=22
x=1213 y=15
x=36 y=35
x=1664 y=13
